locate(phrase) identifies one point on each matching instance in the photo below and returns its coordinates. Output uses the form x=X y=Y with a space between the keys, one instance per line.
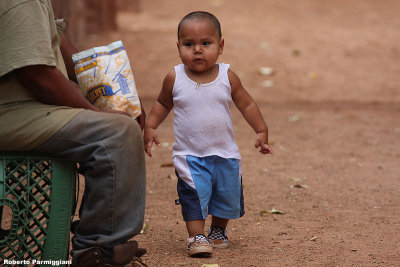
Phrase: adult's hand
x=141 y=119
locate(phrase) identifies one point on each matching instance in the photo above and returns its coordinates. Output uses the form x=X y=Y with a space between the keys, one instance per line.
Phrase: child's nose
x=197 y=48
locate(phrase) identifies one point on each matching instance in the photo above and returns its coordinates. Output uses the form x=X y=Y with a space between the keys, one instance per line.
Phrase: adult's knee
x=128 y=130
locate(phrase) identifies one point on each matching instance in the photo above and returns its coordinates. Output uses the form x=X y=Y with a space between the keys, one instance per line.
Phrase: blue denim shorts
x=209 y=185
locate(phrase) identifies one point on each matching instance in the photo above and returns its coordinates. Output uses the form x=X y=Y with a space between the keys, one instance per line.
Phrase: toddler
x=205 y=155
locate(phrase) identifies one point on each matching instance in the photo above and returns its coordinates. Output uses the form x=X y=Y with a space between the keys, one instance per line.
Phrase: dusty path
x=333 y=108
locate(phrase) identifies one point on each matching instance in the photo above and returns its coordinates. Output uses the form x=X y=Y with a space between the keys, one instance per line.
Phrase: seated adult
x=42 y=110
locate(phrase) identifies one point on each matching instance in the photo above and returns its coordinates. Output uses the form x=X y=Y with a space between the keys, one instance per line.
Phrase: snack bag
x=106 y=79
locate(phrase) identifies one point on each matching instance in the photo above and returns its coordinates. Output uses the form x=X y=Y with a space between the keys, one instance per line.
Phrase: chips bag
x=106 y=79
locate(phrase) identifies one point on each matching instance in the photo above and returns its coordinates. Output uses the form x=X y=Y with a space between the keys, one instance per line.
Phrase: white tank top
x=202 y=117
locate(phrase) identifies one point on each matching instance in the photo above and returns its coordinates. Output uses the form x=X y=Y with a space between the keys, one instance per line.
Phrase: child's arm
x=250 y=111
x=158 y=113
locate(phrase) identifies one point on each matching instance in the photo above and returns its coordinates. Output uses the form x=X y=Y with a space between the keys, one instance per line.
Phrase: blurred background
x=309 y=50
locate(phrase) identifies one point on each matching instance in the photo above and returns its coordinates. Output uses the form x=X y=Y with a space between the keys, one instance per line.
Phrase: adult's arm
x=67 y=50
x=49 y=86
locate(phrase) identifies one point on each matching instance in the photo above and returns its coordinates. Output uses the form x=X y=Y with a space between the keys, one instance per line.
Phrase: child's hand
x=150 y=137
x=262 y=143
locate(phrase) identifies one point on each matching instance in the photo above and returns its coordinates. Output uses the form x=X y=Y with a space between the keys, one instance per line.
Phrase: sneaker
x=217 y=236
x=198 y=246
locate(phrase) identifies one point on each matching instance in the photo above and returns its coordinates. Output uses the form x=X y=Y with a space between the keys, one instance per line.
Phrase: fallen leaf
x=299 y=186
x=281 y=147
x=265 y=71
x=314 y=238
x=167 y=164
x=275 y=211
x=267 y=83
x=144 y=228
x=262 y=212
x=313 y=75
x=265 y=45
x=294 y=118
x=296 y=52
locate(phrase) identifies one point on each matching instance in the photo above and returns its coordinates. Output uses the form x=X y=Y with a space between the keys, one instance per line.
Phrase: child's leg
x=219 y=222
x=194 y=188
x=198 y=245
x=226 y=201
x=217 y=235
x=195 y=227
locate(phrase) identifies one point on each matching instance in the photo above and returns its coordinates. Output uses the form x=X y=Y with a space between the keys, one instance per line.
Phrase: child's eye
x=206 y=43
x=187 y=44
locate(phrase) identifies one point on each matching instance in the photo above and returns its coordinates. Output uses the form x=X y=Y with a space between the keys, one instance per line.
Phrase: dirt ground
x=332 y=105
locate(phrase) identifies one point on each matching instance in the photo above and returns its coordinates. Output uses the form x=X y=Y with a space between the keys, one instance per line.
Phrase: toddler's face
x=199 y=45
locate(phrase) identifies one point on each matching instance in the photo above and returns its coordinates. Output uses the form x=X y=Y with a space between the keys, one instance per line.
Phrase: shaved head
x=201 y=15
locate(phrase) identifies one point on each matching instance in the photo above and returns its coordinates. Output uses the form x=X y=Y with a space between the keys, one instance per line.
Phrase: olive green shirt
x=29 y=35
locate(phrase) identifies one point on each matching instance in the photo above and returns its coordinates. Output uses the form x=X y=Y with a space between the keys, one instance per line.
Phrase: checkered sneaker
x=198 y=246
x=217 y=236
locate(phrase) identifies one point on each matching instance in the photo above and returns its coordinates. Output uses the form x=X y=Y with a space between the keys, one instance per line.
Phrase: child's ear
x=221 y=46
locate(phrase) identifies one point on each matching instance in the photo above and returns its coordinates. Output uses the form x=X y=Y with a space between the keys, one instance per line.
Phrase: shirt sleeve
x=25 y=36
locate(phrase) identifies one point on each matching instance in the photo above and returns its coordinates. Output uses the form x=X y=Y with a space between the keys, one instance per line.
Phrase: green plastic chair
x=37 y=201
